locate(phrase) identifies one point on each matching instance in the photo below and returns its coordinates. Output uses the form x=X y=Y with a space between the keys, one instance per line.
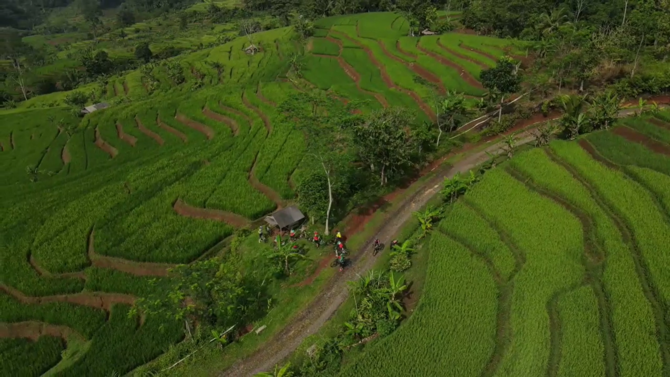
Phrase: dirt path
x=471 y=80
x=149 y=133
x=310 y=320
x=132 y=140
x=416 y=68
x=97 y=300
x=266 y=190
x=100 y=143
x=205 y=130
x=34 y=330
x=461 y=56
x=230 y=122
x=260 y=96
x=266 y=120
x=171 y=130
x=387 y=78
x=64 y=155
x=230 y=218
x=123 y=265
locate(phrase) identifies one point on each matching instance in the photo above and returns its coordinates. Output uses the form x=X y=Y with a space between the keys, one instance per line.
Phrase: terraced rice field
x=96 y=207
x=554 y=264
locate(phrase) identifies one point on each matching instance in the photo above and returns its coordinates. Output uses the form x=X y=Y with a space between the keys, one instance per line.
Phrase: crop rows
x=22 y=357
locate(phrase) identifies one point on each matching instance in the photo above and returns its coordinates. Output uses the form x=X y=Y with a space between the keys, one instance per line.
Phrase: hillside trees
x=14 y=50
x=143 y=52
x=385 y=142
x=450 y=112
x=218 y=292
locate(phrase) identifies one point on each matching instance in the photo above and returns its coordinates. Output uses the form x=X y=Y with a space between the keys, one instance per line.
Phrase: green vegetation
x=27 y=358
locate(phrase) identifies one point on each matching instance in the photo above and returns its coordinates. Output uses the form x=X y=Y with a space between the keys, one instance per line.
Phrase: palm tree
x=573 y=119
x=406 y=248
x=510 y=144
x=278 y=372
x=394 y=291
x=284 y=254
x=454 y=187
x=604 y=110
x=550 y=22
x=426 y=219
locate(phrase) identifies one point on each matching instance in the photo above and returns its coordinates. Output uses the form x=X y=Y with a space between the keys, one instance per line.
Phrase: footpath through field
x=335 y=292
x=310 y=320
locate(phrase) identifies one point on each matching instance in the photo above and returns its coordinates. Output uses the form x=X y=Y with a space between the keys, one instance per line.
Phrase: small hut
x=252 y=49
x=92 y=108
x=285 y=218
x=428 y=32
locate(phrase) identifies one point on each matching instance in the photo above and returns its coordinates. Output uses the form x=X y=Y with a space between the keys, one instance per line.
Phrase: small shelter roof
x=285 y=217
x=92 y=108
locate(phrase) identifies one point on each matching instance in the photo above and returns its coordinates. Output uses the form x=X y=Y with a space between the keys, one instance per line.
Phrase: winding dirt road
x=310 y=320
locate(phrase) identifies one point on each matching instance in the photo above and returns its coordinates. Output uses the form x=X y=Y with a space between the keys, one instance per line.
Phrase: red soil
x=129 y=267
x=34 y=330
x=588 y=147
x=171 y=130
x=325 y=262
x=406 y=53
x=259 y=94
x=659 y=123
x=132 y=140
x=97 y=300
x=480 y=52
x=65 y=155
x=266 y=190
x=237 y=112
x=148 y=132
x=266 y=120
x=234 y=127
x=416 y=68
x=100 y=143
x=351 y=72
x=461 y=56
x=387 y=78
x=642 y=139
x=444 y=61
x=45 y=273
x=230 y=218
x=205 y=130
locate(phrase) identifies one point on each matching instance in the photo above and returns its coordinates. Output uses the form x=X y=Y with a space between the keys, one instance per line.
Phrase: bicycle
x=378 y=247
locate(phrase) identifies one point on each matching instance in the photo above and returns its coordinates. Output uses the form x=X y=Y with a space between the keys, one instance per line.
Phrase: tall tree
x=14 y=50
x=450 y=112
x=385 y=142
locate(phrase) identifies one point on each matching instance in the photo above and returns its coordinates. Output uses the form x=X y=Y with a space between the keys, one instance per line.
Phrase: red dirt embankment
x=461 y=56
x=351 y=72
x=478 y=51
x=132 y=140
x=100 y=143
x=234 y=127
x=97 y=300
x=205 y=130
x=471 y=80
x=230 y=218
x=387 y=78
x=64 y=155
x=171 y=130
x=34 y=330
x=416 y=68
x=266 y=190
x=659 y=123
x=123 y=265
x=260 y=96
x=266 y=120
x=639 y=138
x=149 y=133
x=406 y=53
x=240 y=114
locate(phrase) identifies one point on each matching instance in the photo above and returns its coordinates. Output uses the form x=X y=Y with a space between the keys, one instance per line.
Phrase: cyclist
x=394 y=244
x=316 y=239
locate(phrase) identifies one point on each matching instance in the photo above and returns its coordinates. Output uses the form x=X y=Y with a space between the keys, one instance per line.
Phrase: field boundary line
x=592 y=259
x=157 y=138
x=230 y=122
x=648 y=288
x=461 y=56
x=131 y=140
x=469 y=79
x=33 y=330
x=171 y=130
x=203 y=129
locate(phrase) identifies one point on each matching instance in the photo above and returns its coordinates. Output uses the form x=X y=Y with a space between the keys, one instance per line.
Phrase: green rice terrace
x=116 y=223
